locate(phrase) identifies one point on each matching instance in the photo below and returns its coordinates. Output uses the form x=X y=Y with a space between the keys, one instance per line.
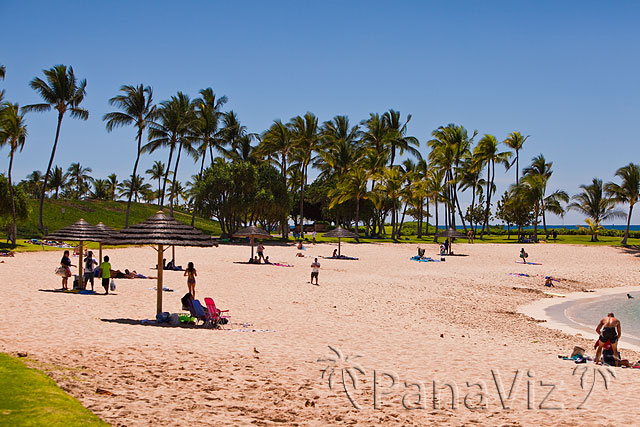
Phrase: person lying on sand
x=300 y=254
x=135 y=275
x=609 y=331
x=7 y=253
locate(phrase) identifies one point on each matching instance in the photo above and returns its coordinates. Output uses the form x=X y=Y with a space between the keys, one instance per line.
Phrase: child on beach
x=191 y=274
x=65 y=262
x=523 y=255
x=105 y=272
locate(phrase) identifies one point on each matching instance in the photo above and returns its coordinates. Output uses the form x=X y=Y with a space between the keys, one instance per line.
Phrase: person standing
x=191 y=274
x=89 y=264
x=65 y=263
x=315 y=270
x=260 y=252
x=105 y=273
x=609 y=331
x=314 y=236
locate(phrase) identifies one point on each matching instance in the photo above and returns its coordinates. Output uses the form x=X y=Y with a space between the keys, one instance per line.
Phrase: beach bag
x=112 y=286
x=61 y=271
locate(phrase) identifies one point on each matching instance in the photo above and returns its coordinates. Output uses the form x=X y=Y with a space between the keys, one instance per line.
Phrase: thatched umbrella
x=451 y=234
x=340 y=233
x=161 y=230
x=252 y=232
x=79 y=231
x=107 y=230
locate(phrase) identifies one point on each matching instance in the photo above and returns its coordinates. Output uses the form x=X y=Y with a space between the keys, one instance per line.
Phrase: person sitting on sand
x=335 y=254
x=300 y=247
x=421 y=252
x=256 y=260
x=629 y=296
x=549 y=282
x=609 y=331
x=300 y=254
x=266 y=260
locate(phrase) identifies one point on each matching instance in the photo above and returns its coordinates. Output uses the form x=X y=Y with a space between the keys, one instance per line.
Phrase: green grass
x=28 y=397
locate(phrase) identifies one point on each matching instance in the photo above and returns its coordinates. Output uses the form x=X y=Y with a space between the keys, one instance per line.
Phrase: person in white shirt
x=315 y=269
x=314 y=236
x=89 y=264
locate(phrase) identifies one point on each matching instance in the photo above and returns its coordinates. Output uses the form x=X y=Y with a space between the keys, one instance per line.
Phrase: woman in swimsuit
x=191 y=274
x=65 y=262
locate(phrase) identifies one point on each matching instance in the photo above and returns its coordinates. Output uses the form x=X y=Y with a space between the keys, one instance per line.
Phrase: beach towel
x=553 y=294
x=530 y=263
x=426 y=259
x=277 y=264
x=350 y=258
x=164 y=289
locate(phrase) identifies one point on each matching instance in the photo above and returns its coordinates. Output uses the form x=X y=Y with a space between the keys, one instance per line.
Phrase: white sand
x=453 y=321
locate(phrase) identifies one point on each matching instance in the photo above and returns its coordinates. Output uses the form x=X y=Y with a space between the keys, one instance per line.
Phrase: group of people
x=90 y=264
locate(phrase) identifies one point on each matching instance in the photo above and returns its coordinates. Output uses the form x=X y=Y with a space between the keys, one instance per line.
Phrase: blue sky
x=565 y=73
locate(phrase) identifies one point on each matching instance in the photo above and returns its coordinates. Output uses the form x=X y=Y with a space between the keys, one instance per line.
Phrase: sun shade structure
x=108 y=231
x=80 y=231
x=451 y=234
x=340 y=233
x=160 y=230
x=252 y=232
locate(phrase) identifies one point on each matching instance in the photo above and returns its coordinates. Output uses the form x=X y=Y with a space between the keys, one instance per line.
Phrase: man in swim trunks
x=609 y=331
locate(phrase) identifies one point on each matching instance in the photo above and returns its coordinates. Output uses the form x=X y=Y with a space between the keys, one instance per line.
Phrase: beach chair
x=197 y=311
x=215 y=315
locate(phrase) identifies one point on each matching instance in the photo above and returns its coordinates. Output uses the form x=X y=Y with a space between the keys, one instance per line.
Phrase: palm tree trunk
x=486 y=212
x=404 y=212
x=435 y=233
x=544 y=220
x=420 y=218
x=302 y=185
x=517 y=167
x=166 y=175
x=193 y=210
x=283 y=172
x=135 y=169
x=46 y=175
x=14 y=228
x=357 y=216
x=175 y=176
x=624 y=239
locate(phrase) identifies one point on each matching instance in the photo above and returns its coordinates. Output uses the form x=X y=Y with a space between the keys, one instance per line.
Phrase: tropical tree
x=516 y=141
x=305 y=135
x=157 y=172
x=540 y=166
x=391 y=184
x=13 y=132
x=627 y=191
x=353 y=186
x=399 y=141
x=100 y=190
x=137 y=109
x=58 y=179
x=435 y=188
x=62 y=92
x=487 y=152
x=33 y=184
x=80 y=176
x=134 y=187
x=112 y=180
x=171 y=129
x=595 y=204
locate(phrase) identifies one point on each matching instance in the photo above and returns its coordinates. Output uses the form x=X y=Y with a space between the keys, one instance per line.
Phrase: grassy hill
x=94 y=211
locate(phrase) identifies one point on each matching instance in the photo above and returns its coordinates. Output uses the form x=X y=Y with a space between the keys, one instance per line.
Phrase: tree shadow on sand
x=631 y=249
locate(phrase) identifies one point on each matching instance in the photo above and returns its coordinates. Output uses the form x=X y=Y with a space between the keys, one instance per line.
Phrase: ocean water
x=625 y=309
x=575 y=227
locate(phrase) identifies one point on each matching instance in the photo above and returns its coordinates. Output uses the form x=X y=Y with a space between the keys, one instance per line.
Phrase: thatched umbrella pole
x=80 y=266
x=339 y=246
x=340 y=233
x=252 y=232
x=159 y=280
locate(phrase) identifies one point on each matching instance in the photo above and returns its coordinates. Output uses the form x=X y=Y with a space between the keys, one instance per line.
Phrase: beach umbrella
x=340 y=233
x=161 y=230
x=109 y=231
x=252 y=232
x=80 y=231
x=451 y=234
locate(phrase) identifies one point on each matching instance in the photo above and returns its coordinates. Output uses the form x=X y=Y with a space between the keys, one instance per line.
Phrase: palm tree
x=2 y=71
x=487 y=152
x=81 y=177
x=435 y=187
x=34 y=183
x=595 y=204
x=391 y=184
x=516 y=141
x=58 y=179
x=339 y=150
x=353 y=186
x=113 y=185
x=63 y=93
x=277 y=139
x=305 y=137
x=100 y=189
x=157 y=172
x=13 y=132
x=206 y=127
x=626 y=192
x=540 y=166
x=399 y=141
x=172 y=128
x=134 y=187
x=136 y=105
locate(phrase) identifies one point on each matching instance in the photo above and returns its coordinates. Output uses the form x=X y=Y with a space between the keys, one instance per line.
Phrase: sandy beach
x=425 y=325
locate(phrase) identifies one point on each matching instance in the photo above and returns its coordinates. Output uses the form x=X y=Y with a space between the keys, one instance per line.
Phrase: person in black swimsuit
x=609 y=331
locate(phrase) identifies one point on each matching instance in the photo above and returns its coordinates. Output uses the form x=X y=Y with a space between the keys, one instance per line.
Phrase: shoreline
x=554 y=313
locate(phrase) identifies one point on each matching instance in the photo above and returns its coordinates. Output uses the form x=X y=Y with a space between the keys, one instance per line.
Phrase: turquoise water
x=625 y=309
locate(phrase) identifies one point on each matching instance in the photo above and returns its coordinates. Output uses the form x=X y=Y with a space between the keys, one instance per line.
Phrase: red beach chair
x=215 y=315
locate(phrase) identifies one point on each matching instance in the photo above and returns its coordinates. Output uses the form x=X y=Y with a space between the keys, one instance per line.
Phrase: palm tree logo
x=348 y=372
x=584 y=377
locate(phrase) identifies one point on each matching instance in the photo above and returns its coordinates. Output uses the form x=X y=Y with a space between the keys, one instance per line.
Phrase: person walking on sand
x=609 y=331
x=314 y=236
x=315 y=270
x=105 y=273
x=523 y=255
x=191 y=274
x=260 y=252
x=65 y=262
